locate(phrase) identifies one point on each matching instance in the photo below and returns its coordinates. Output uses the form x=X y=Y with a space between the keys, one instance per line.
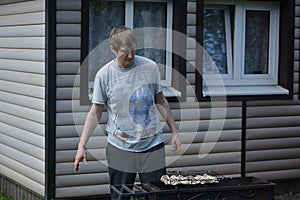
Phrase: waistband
x=136 y=134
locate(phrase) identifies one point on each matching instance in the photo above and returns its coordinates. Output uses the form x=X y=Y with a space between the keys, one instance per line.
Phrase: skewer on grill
x=188 y=180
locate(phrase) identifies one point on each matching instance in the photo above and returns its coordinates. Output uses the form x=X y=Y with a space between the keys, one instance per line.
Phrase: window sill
x=244 y=91
x=170 y=92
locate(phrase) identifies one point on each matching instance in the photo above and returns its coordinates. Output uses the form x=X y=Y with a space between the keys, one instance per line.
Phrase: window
x=103 y=15
x=242 y=44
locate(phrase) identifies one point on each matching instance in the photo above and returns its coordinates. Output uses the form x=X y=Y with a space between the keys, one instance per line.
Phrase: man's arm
x=91 y=122
x=167 y=114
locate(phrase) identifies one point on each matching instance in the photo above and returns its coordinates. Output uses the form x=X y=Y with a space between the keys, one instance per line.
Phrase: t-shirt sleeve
x=99 y=93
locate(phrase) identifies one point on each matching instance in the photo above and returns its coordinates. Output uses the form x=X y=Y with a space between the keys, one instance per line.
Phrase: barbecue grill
x=230 y=188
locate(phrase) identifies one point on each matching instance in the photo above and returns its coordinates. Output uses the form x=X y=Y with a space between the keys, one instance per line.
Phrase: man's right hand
x=81 y=154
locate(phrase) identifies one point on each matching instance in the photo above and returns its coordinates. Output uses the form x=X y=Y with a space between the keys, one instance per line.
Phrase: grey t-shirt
x=129 y=93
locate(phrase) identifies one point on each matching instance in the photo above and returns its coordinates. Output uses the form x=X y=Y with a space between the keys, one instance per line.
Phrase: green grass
x=2 y=197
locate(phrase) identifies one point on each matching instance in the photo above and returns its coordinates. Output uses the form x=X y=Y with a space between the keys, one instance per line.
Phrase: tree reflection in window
x=214 y=41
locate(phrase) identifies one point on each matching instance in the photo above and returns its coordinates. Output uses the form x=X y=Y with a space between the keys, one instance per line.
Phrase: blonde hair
x=122 y=35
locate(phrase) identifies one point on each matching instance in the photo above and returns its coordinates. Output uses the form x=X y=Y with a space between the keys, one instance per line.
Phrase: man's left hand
x=176 y=144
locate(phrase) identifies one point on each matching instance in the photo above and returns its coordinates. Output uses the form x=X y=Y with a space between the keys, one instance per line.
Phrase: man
x=129 y=87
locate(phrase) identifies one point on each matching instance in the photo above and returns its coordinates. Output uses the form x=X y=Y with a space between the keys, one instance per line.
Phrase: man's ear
x=112 y=49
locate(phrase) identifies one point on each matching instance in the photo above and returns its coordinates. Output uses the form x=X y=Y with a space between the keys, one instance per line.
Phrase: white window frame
x=129 y=21
x=229 y=75
x=258 y=79
x=236 y=83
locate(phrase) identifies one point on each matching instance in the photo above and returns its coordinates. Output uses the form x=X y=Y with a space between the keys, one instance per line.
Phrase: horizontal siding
x=67 y=68
x=22 y=19
x=22 y=123
x=268 y=111
x=20 y=42
x=22 y=89
x=67 y=80
x=22 y=93
x=82 y=190
x=22 y=77
x=68 y=16
x=27 y=137
x=21 y=179
x=23 y=163
x=20 y=111
x=23 y=146
x=37 y=30
x=21 y=54
x=34 y=67
x=69 y=112
x=68 y=55
x=23 y=169
x=276 y=121
x=84 y=179
x=93 y=166
x=5 y=2
x=68 y=29
x=19 y=99
x=21 y=8
x=277 y=174
x=273 y=154
x=68 y=42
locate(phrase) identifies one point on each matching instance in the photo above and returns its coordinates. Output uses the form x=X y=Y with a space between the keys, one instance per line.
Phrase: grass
x=2 y=197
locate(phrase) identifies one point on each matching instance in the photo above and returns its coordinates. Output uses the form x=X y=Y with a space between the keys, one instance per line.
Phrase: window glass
x=104 y=15
x=214 y=41
x=257 y=42
x=150 y=14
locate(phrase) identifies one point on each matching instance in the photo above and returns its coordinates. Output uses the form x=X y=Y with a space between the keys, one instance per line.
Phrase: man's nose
x=130 y=54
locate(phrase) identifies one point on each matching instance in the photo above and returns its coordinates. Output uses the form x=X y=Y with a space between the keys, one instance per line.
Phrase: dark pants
x=123 y=166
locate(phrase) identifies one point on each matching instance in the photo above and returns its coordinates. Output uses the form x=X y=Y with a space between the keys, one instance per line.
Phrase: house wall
x=273 y=138
x=224 y=157
x=210 y=140
x=22 y=94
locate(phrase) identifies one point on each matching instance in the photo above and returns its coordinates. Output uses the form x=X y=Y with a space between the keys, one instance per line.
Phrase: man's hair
x=122 y=35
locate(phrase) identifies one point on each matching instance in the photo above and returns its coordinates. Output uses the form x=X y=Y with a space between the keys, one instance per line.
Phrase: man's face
x=125 y=56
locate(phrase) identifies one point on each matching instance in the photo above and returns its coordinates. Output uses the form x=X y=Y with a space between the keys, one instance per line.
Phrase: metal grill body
x=246 y=188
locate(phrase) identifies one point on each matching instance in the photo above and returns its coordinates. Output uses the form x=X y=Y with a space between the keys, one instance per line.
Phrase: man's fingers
x=78 y=158
x=84 y=159
x=76 y=165
x=176 y=146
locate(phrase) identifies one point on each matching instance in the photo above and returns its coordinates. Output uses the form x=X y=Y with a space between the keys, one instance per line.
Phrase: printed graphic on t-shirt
x=140 y=104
